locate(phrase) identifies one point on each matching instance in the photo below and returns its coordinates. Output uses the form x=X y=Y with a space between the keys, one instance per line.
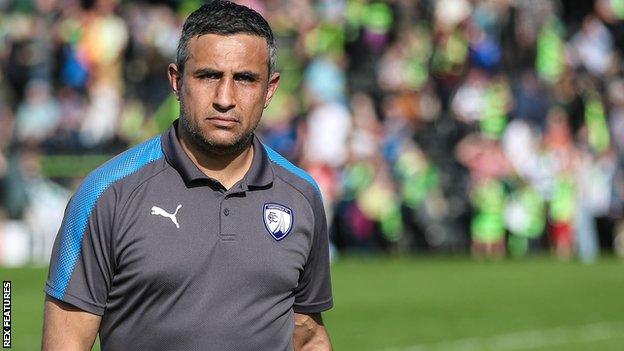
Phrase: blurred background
x=453 y=130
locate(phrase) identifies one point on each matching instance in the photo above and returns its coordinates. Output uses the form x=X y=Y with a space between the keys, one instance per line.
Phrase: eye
x=208 y=76
x=249 y=78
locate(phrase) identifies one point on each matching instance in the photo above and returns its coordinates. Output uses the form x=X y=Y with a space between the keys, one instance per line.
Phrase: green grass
x=382 y=304
x=437 y=304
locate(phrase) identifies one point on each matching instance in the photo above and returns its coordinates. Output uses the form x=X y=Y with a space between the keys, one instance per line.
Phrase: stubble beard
x=208 y=145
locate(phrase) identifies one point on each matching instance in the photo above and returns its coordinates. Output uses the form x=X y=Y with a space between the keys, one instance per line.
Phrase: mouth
x=223 y=118
x=225 y=121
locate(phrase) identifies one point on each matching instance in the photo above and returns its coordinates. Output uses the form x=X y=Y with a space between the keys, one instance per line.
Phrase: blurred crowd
x=494 y=127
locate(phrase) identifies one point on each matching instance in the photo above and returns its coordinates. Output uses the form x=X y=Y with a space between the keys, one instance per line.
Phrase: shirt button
x=226 y=211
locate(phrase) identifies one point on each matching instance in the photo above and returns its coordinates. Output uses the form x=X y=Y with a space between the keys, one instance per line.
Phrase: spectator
x=490 y=126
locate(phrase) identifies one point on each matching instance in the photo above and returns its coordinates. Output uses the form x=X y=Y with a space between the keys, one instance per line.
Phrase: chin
x=225 y=145
x=223 y=139
x=219 y=141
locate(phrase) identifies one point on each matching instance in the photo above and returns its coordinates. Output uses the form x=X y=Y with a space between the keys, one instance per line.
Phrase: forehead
x=228 y=52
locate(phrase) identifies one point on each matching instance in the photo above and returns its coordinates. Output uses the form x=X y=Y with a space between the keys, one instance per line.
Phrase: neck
x=228 y=169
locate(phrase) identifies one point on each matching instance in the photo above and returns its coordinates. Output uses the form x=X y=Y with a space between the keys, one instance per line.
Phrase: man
x=202 y=238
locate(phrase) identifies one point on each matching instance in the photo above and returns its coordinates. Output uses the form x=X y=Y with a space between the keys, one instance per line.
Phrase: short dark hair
x=224 y=18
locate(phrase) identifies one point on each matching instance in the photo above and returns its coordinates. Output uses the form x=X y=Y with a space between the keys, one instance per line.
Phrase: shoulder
x=296 y=177
x=134 y=161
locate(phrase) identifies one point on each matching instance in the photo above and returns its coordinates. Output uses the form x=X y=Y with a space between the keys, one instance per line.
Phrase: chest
x=171 y=237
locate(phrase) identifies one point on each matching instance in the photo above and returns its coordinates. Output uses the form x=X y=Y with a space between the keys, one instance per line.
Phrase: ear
x=175 y=79
x=273 y=84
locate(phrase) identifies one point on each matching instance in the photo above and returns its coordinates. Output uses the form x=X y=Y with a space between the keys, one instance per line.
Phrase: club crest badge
x=278 y=220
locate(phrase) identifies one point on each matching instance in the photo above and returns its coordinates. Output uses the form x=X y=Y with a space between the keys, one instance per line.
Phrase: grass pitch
x=436 y=305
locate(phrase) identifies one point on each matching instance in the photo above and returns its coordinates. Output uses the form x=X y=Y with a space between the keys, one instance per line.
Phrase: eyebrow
x=247 y=74
x=242 y=74
x=206 y=71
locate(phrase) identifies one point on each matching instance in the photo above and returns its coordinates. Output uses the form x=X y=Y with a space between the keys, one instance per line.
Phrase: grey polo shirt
x=172 y=260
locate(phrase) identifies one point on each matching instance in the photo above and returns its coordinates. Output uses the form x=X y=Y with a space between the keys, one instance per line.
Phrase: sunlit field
x=436 y=304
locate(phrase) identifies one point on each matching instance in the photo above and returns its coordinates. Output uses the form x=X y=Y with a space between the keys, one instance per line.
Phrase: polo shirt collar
x=260 y=174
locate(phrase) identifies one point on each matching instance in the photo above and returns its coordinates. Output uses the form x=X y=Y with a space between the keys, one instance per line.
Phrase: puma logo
x=160 y=212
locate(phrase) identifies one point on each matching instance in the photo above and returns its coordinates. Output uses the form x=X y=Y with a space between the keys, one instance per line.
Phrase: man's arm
x=66 y=327
x=310 y=333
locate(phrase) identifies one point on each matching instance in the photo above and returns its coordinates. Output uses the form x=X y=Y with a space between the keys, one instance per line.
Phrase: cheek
x=253 y=100
x=195 y=98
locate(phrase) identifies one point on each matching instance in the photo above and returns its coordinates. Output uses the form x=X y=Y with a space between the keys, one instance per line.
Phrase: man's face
x=224 y=89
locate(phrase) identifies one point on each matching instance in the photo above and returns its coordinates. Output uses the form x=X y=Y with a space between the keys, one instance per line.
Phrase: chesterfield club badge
x=278 y=220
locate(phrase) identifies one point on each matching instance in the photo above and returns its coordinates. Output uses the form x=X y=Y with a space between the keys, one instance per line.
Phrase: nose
x=224 y=99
